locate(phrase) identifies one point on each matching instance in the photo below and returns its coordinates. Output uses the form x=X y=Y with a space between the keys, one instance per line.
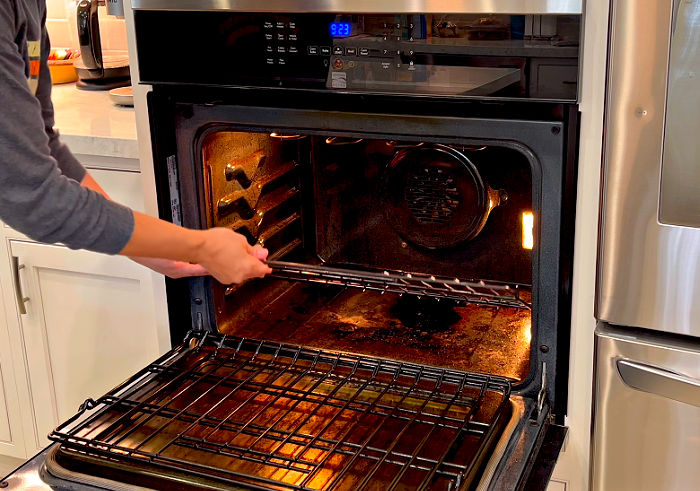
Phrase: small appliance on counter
x=98 y=70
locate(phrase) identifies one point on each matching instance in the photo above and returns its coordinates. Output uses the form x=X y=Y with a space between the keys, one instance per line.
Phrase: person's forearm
x=220 y=252
x=91 y=183
x=153 y=237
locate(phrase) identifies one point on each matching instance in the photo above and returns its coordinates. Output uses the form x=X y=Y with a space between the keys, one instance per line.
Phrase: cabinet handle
x=21 y=299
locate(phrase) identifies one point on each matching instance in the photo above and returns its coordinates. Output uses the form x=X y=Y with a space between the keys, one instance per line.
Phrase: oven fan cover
x=435 y=197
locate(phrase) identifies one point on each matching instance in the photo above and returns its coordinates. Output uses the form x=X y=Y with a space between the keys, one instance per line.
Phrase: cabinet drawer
x=122 y=187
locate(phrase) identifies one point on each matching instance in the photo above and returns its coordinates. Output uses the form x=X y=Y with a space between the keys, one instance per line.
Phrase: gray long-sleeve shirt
x=40 y=194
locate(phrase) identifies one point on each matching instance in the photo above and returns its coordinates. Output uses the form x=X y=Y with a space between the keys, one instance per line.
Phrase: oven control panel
x=433 y=54
x=333 y=48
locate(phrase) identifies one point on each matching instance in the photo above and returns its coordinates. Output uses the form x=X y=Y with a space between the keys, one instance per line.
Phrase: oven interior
x=342 y=203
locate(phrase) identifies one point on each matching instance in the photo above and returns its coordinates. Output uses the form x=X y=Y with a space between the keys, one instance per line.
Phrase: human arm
x=179 y=252
x=168 y=267
x=49 y=205
x=226 y=255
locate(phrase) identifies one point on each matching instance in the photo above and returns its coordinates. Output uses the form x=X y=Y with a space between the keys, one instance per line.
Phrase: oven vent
x=482 y=292
x=432 y=196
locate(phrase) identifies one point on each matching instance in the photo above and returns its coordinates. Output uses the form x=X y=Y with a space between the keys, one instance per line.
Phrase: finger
x=187 y=269
x=258 y=269
x=260 y=252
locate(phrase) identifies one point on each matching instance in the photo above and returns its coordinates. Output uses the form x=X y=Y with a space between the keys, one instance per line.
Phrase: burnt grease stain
x=414 y=323
x=425 y=315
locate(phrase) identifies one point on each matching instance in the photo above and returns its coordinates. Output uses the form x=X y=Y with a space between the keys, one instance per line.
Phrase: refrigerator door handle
x=659 y=381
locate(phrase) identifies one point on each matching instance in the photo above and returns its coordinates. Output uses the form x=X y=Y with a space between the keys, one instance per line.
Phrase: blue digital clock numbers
x=340 y=29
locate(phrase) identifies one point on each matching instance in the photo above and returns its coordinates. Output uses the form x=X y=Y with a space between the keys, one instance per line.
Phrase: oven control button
x=280 y=25
x=338 y=64
x=325 y=50
x=292 y=37
x=338 y=50
x=281 y=61
x=364 y=51
x=267 y=25
x=312 y=50
x=351 y=51
x=292 y=25
x=280 y=36
x=281 y=49
x=292 y=50
x=270 y=61
x=268 y=36
x=268 y=49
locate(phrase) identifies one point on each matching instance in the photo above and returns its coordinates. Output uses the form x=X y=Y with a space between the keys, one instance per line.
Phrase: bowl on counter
x=62 y=71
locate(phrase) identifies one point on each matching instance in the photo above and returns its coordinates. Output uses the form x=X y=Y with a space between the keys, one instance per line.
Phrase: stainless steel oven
x=413 y=176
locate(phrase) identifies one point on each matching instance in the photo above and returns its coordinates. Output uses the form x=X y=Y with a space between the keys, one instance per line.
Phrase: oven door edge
x=531 y=453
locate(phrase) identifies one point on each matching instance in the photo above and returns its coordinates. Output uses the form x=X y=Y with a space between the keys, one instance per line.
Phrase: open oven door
x=227 y=413
x=530 y=452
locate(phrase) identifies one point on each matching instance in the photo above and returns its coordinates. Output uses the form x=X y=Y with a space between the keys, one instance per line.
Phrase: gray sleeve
x=68 y=164
x=35 y=197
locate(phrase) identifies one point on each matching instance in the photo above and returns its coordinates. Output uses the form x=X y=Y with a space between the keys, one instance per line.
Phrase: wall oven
x=412 y=172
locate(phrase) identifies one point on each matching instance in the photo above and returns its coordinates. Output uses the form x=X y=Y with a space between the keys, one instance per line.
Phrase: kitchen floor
x=8 y=464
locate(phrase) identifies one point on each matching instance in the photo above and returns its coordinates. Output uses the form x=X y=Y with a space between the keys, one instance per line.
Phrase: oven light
x=528 y=226
x=527 y=333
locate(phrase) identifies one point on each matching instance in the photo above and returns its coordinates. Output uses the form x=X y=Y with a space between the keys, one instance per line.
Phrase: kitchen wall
x=61 y=22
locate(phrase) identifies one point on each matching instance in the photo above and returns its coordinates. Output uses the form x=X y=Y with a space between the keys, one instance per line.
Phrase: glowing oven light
x=528 y=226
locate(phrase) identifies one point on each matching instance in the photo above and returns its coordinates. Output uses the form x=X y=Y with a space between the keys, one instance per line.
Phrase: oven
x=413 y=177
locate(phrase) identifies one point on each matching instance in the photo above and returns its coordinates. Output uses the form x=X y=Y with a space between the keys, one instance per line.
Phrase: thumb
x=260 y=252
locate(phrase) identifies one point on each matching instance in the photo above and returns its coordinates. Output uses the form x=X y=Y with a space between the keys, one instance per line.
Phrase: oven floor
x=473 y=338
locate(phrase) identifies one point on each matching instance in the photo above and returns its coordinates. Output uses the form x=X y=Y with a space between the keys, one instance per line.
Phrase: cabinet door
x=11 y=435
x=89 y=324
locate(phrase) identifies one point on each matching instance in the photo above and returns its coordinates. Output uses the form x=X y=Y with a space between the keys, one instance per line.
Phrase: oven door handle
x=660 y=381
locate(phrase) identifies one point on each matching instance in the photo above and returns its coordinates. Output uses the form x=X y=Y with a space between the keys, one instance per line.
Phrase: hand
x=170 y=268
x=229 y=258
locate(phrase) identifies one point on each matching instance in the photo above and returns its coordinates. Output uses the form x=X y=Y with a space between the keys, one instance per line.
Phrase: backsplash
x=61 y=24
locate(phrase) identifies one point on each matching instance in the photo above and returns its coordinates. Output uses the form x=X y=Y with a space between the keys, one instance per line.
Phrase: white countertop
x=91 y=124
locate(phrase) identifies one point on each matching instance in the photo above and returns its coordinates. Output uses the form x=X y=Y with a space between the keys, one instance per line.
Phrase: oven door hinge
x=174 y=188
x=542 y=394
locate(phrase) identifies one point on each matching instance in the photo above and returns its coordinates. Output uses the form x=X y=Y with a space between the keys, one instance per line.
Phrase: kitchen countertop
x=90 y=124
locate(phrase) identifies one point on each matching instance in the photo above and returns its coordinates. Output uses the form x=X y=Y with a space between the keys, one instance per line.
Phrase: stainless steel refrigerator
x=647 y=381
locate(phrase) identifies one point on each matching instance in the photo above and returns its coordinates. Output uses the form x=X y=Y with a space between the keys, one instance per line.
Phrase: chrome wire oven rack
x=483 y=292
x=230 y=411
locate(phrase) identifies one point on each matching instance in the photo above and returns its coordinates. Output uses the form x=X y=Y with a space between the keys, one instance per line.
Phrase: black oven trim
x=545 y=151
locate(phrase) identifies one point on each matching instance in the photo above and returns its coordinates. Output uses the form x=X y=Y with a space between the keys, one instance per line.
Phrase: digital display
x=340 y=29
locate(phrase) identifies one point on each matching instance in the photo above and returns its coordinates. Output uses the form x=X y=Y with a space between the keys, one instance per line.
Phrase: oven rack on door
x=482 y=292
x=229 y=411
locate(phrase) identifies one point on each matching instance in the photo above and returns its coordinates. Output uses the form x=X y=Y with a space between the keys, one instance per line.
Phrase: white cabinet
x=11 y=434
x=87 y=322
x=87 y=327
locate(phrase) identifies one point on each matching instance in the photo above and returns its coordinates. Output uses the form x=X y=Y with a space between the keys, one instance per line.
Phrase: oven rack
x=178 y=404
x=482 y=292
